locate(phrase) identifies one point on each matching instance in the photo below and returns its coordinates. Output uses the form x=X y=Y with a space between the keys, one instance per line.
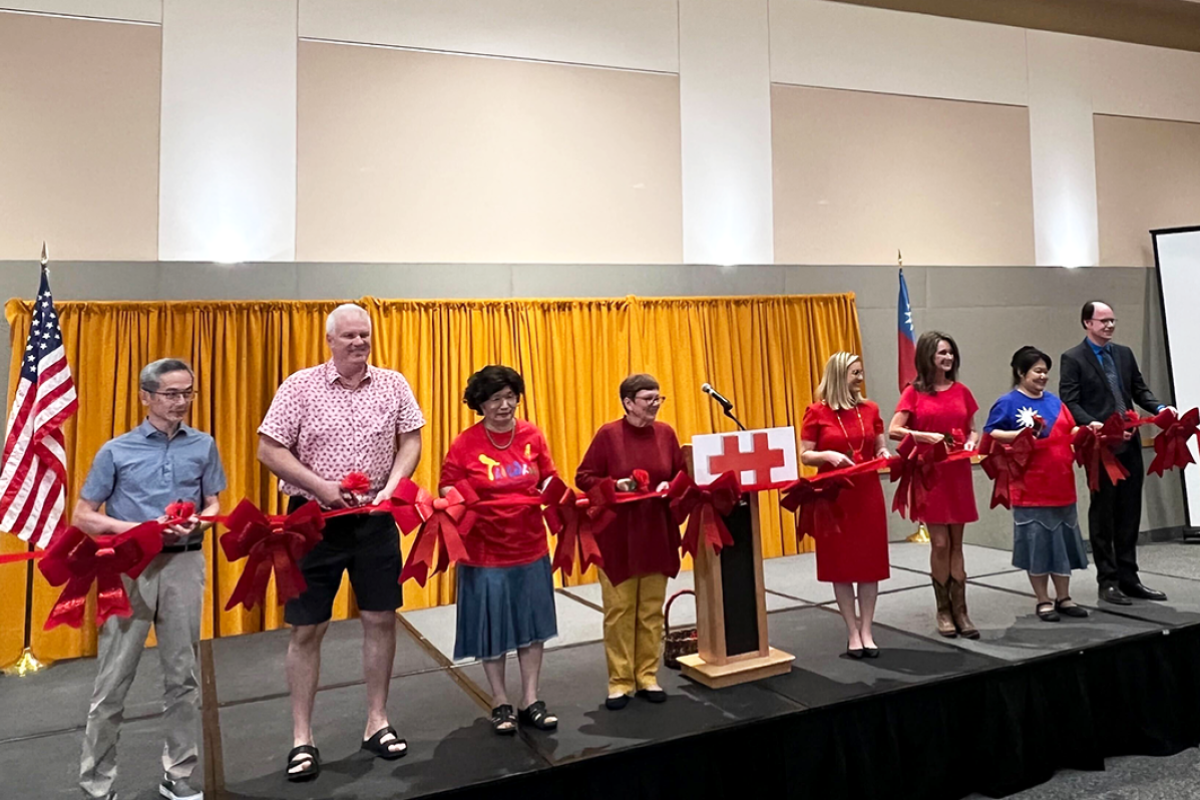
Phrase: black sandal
x=382 y=749
x=537 y=716
x=1072 y=610
x=504 y=721
x=1049 y=614
x=304 y=754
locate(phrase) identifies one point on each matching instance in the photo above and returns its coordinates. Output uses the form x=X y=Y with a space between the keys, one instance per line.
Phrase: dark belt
x=182 y=548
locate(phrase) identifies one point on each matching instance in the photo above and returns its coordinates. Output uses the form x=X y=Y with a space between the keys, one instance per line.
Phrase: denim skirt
x=503 y=608
x=1047 y=541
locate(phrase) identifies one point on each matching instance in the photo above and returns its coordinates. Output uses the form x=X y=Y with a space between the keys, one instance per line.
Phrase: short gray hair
x=343 y=310
x=152 y=373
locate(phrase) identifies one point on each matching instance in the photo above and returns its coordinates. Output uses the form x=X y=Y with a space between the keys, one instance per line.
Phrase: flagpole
x=28 y=663
x=922 y=534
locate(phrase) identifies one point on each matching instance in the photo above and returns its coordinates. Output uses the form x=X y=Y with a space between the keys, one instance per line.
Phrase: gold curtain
x=767 y=352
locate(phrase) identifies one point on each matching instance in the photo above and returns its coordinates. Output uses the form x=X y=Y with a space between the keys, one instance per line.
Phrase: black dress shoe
x=1141 y=592
x=871 y=652
x=653 y=695
x=616 y=703
x=1111 y=594
x=855 y=652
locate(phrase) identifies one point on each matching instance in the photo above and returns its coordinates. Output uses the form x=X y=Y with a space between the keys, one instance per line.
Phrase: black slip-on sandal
x=1046 y=612
x=381 y=749
x=537 y=716
x=504 y=721
x=305 y=754
x=1073 y=610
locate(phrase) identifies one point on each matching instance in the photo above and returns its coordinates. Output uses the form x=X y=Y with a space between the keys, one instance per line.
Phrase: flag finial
x=45 y=255
x=899 y=258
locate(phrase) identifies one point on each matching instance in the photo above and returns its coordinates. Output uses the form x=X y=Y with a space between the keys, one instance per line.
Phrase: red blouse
x=503 y=536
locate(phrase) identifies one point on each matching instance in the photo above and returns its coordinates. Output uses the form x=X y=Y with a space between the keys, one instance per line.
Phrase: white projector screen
x=1177 y=256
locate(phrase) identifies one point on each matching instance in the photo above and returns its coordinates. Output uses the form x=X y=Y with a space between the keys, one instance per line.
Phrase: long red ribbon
x=440 y=522
x=1005 y=464
x=574 y=520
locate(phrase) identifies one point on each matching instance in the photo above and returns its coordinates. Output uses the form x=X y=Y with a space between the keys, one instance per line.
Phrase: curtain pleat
x=764 y=352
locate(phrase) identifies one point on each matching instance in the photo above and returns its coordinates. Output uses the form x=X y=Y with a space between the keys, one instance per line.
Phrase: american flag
x=33 y=478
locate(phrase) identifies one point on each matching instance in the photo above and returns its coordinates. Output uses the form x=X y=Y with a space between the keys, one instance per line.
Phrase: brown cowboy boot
x=945 y=621
x=958 y=605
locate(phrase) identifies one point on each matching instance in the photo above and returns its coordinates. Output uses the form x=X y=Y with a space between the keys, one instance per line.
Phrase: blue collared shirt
x=138 y=474
x=1099 y=351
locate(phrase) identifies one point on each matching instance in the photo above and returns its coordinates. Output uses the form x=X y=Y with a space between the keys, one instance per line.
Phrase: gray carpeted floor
x=1175 y=777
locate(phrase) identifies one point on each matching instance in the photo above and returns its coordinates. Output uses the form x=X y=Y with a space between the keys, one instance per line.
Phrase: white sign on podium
x=759 y=457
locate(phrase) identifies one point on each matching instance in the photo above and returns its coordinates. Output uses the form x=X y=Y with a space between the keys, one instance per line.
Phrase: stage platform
x=932 y=717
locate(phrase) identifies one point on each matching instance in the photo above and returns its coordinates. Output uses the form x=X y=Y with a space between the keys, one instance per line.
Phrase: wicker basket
x=681 y=642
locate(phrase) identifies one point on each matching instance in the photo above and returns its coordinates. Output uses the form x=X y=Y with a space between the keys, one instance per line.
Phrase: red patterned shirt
x=334 y=431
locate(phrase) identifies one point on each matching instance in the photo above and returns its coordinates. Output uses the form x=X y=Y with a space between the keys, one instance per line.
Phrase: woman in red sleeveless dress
x=841 y=429
x=936 y=407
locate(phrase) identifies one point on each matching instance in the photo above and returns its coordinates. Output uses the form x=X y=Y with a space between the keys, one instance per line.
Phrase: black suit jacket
x=1083 y=386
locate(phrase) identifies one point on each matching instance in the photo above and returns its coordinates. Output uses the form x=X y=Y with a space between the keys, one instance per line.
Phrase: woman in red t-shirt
x=841 y=429
x=505 y=587
x=1046 y=539
x=934 y=408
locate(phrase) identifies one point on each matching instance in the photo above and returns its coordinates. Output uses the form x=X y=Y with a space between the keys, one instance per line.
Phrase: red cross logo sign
x=758 y=461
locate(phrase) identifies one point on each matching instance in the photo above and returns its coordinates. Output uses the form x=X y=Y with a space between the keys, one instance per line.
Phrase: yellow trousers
x=633 y=630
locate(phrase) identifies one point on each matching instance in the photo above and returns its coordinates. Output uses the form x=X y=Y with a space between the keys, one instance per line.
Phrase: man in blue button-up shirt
x=134 y=478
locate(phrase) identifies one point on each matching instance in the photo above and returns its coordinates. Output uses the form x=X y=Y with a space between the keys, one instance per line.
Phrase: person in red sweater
x=640 y=546
x=505 y=587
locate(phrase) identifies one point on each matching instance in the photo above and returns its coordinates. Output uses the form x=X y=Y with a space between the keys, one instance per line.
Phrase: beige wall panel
x=407 y=156
x=133 y=10
x=1139 y=81
x=79 y=109
x=1147 y=177
x=842 y=46
x=858 y=175
x=635 y=34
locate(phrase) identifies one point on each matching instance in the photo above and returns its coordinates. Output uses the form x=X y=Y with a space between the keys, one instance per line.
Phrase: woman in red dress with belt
x=841 y=429
x=934 y=408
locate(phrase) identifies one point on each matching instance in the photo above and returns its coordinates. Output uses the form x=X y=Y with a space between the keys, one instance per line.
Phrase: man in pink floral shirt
x=326 y=422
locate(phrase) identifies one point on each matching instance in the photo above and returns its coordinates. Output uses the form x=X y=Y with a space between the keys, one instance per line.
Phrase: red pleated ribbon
x=271 y=546
x=1094 y=451
x=815 y=498
x=1171 y=444
x=440 y=522
x=915 y=467
x=1006 y=464
x=574 y=520
x=78 y=560
x=704 y=508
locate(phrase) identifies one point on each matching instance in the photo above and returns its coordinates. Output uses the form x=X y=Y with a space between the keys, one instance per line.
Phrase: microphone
x=715 y=395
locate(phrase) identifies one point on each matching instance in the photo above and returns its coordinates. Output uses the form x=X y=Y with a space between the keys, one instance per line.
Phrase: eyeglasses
x=1104 y=322
x=657 y=400
x=171 y=397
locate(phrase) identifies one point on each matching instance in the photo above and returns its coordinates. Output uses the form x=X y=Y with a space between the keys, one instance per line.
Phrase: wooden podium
x=731 y=607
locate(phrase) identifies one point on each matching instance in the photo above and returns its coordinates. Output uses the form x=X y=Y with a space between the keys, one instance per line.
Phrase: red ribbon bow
x=817 y=502
x=270 y=546
x=915 y=467
x=1006 y=464
x=1094 y=449
x=441 y=524
x=574 y=521
x=642 y=479
x=1171 y=445
x=78 y=560
x=704 y=508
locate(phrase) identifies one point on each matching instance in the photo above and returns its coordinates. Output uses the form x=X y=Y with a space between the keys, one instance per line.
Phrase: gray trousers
x=169 y=596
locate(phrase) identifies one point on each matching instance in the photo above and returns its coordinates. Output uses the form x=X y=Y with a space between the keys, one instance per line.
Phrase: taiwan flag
x=906 y=337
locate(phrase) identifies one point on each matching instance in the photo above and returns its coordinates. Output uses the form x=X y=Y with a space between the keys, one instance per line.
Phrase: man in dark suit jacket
x=1097 y=379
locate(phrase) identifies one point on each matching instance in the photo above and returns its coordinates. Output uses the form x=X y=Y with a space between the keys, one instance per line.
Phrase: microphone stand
x=736 y=421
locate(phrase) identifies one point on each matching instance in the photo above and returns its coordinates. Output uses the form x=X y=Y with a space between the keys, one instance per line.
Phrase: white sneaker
x=178 y=790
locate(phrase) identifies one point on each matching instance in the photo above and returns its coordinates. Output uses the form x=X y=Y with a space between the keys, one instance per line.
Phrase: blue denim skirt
x=1047 y=541
x=503 y=608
